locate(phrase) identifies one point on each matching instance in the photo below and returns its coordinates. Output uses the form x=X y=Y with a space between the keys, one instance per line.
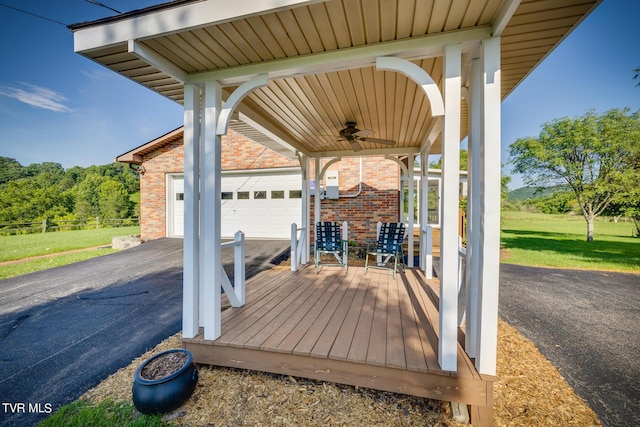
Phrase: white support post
x=448 y=342
x=490 y=168
x=317 y=201
x=473 y=272
x=345 y=238
x=411 y=221
x=211 y=209
x=306 y=206
x=294 y=247
x=424 y=205
x=190 y=275
x=428 y=259
x=239 y=267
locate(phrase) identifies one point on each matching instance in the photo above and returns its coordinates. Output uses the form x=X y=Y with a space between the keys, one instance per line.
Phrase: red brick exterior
x=379 y=199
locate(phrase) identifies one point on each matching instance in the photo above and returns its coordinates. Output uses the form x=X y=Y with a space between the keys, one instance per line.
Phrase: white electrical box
x=332 y=185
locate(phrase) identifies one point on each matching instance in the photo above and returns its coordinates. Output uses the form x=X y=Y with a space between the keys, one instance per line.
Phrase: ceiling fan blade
x=354 y=145
x=378 y=141
x=363 y=133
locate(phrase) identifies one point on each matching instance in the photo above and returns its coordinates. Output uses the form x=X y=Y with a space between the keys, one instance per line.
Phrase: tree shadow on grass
x=622 y=251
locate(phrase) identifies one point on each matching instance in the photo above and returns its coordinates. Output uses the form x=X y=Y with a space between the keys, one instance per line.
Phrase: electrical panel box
x=332 y=185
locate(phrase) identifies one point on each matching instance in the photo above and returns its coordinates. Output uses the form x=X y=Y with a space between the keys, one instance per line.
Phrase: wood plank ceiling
x=309 y=110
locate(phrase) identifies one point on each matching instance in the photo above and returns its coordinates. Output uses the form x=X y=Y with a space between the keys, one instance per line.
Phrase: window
x=243 y=195
x=295 y=194
x=259 y=195
x=179 y=196
x=227 y=195
x=277 y=194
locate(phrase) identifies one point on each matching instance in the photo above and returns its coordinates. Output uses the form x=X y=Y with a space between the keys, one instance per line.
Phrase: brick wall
x=378 y=201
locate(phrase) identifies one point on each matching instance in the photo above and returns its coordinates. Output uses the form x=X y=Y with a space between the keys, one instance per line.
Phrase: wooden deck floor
x=363 y=330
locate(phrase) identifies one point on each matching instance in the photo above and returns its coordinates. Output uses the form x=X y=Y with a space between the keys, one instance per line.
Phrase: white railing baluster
x=298 y=246
x=236 y=292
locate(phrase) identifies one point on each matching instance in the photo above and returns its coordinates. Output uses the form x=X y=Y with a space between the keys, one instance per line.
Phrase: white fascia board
x=344 y=59
x=176 y=19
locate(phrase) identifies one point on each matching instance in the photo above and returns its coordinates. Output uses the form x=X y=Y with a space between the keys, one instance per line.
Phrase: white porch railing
x=299 y=254
x=235 y=293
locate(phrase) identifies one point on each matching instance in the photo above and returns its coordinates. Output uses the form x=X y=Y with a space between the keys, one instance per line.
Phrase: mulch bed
x=529 y=391
x=163 y=366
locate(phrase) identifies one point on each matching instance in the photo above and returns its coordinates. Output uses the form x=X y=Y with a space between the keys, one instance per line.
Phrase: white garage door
x=262 y=205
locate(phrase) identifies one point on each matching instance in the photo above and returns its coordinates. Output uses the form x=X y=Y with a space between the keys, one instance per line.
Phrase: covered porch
x=417 y=78
x=363 y=330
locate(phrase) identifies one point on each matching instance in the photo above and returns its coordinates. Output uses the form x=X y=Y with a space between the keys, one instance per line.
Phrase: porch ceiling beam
x=252 y=117
x=343 y=59
x=370 y=152
x=174 y=19
x=157 y=61
x=504 y=16
x=271 y=135
x=435 y=128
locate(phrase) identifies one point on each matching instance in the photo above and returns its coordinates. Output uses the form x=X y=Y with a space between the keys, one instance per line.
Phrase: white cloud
x=37 y=96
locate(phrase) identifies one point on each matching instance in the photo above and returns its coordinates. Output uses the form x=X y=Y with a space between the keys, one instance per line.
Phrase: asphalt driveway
x=64 y=330
x=587 y=324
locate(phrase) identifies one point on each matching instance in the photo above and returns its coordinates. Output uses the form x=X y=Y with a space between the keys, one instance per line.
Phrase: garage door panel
x=268 y=217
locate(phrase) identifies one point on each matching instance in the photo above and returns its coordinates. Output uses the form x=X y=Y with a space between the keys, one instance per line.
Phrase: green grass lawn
x=560 y=241
x=30 y=245
x=33 y=245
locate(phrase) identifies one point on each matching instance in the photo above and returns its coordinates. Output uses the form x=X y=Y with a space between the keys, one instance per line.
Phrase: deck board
x=377 y=349
x=360 y=342
x=367 y=330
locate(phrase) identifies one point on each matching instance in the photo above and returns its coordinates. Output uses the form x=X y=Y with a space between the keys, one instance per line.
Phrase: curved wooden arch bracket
x=232 y=102
x=418 y=75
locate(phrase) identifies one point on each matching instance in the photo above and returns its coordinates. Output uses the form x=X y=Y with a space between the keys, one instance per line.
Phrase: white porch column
x=473 y=276
x=306 y=205
x=490 y=183
x=191 y=254
x=210 y=205
x=424 y=204
x=447 y=345
x=317 y=201
x=411 y=221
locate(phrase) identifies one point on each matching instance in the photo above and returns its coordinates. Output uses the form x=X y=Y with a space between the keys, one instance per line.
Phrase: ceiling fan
x=353 y=135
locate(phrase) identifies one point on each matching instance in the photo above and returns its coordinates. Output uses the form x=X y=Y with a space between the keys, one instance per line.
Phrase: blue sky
x=57 y=106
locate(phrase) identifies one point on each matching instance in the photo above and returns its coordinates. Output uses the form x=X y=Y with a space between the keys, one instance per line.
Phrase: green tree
x=10 y=170
x=113 y=200
x=597 y=156
x=88 y=196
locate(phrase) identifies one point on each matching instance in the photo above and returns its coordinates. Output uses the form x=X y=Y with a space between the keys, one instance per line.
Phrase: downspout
x=357 y=193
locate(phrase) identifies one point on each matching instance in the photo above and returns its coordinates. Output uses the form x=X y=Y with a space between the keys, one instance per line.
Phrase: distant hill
x=525 y=193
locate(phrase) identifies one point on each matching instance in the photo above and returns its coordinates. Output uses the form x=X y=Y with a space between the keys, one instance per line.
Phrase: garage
x=261 y=203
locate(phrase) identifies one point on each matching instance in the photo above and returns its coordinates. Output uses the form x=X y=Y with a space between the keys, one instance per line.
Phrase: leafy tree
x=88 y=196
x=10 y=170
x=113 y=200
x=25 y=200
x=597 y=156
